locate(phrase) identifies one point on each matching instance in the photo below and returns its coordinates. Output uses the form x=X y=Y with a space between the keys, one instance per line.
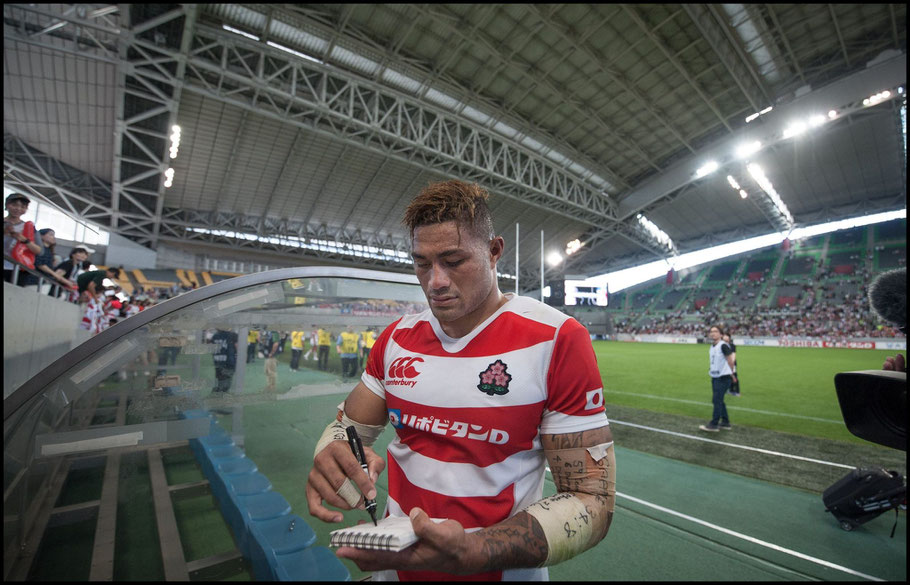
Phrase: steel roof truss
x=354 y=107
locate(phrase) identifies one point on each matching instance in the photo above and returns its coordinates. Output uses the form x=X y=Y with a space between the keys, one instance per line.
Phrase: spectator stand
x=722 y=273
x=672 y=299
x=212 y=276
x=618 y=302
x=641 y=301
x=800 y=267
x=818 y=242
x=772 y=292
x=704 y=298
x=891 y=231
x=890 y=257
x=848 y=238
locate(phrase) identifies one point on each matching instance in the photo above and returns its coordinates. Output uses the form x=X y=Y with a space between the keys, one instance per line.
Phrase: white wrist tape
x=368 y=433
x=566 y=524
x=336 y=432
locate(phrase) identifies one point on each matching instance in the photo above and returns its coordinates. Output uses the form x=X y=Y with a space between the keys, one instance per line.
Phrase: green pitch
x=783 y=389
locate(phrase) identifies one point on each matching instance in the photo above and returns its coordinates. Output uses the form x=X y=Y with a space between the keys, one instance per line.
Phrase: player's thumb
x=420 y=521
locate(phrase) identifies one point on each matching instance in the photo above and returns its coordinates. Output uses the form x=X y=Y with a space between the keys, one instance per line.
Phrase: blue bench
x=278 y=543
x=316 y=563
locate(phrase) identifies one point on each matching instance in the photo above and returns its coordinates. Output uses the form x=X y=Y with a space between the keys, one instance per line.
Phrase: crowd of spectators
x=819 y=311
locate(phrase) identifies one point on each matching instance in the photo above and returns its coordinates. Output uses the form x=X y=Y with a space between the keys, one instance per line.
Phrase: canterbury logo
x=404 y=367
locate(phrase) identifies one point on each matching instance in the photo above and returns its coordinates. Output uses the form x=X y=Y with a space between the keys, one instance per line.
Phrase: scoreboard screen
x=580 y=292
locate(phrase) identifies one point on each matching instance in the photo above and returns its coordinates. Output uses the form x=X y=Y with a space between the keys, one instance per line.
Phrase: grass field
x=788 y=389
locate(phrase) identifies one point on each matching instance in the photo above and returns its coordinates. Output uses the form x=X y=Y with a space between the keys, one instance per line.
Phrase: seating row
x=278 y=544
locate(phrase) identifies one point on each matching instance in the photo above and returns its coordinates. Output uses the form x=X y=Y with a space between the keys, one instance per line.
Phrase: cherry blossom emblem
x=495 y=379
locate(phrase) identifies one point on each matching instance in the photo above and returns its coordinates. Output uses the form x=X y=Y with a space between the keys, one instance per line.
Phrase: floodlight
x=816 y=120
x=732 y=182
x=707 y=169
x=794 y=129
x=744 y=150
x=743 y=194
x=832 y=114
x=554 y=258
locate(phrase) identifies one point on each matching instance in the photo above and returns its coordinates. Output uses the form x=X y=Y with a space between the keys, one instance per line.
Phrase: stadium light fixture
x=573 y=246
x=751 y=117
x=759 y=175
x=168 y=177
x=707 y=169
x=743 y=194
x=239 y=32
x=733 y=182
x=816 y=120
x=175 y=140
x=655 y=232
x=794 y=129
x=832 y=114
x=874 y=99
x=293 y=52
x=748 y=149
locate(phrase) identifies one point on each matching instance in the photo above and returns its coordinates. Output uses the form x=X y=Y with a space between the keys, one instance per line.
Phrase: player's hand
x=331 y=467
x=443 y=547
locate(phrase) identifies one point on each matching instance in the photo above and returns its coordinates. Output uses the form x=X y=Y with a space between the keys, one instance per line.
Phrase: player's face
x=714 y=334
x=457 y=271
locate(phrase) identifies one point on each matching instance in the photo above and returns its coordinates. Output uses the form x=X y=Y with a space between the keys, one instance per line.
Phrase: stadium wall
x=868 y=343
x=37 y=329
x=124 y=252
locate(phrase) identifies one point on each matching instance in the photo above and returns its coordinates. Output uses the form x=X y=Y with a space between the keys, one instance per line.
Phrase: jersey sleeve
x=574 y=386
x=374 y=374
x=725 y=349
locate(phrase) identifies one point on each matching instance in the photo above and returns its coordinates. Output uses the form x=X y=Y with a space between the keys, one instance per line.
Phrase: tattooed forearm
x=516 y=542
x=574 y=440
x=560 y=526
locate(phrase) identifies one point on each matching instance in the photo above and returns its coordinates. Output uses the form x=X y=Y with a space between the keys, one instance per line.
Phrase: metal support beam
x=150 y=75
x=343 y=105
x=845 y=96
x=726 y=50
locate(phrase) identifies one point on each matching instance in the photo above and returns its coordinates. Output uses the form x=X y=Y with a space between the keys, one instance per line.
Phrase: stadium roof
x=319 y=122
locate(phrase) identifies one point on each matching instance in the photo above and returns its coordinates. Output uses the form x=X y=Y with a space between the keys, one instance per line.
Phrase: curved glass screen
x=170 y=446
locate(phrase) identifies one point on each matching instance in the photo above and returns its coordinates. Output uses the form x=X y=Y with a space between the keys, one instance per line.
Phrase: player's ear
x=497 y=247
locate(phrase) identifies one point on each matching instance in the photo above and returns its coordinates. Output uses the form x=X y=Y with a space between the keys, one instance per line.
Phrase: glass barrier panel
x=110 y=452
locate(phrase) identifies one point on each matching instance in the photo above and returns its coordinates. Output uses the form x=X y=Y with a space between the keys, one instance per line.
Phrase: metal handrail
x=40 y=275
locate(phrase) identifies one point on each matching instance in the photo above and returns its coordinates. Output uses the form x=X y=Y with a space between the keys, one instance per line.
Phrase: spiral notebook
x=392 y=533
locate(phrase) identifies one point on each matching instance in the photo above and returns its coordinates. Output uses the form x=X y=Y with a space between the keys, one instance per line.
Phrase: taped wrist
x=567 y=524
x=336 y=432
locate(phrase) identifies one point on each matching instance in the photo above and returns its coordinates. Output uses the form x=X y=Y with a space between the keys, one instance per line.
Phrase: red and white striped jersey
x=468 y=412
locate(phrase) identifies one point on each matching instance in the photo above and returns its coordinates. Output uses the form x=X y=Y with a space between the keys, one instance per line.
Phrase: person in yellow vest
x=324 y=337
x=368 y=338
x=348 y=345
x=296 y=348
x=252 y=340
